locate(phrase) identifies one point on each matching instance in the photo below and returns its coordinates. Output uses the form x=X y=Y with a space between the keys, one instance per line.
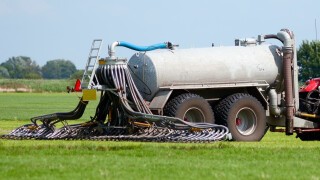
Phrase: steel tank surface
x=155 y=69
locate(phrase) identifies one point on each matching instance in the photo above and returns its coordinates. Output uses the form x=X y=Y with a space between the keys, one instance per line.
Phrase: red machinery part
x=77 y=86
x=310 y=85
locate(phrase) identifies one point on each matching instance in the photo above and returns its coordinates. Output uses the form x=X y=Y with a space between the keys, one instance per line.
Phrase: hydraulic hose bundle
x=121 y=114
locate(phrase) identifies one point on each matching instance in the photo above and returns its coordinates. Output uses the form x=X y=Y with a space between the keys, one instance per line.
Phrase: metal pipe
x=273 y=105
x=138 y=48
x=272 y=36
x=296 y=87
x=112 y=48
x=286 y=37
x=287 y=70
x=309 y=130
x=302 y=114
x=287 y=49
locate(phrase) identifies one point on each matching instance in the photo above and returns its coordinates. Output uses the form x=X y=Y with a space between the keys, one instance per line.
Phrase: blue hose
x=143 y=48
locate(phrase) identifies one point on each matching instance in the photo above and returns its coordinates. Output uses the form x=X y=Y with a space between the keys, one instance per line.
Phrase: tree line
x=308 y=56
x=23 y=67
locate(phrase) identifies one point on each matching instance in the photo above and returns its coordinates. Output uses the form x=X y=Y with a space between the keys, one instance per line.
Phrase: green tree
x=4 y=72
x=58 y=69
x=309 y=60
x=22 y=67
x=77 y=75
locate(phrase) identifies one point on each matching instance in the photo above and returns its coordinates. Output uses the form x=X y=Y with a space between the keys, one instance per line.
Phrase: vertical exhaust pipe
x=287 y=71
x=287 y=38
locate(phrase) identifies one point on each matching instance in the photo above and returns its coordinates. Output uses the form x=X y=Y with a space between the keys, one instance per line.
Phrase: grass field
x=23 y=106
x=275 y=157
x=36 y=85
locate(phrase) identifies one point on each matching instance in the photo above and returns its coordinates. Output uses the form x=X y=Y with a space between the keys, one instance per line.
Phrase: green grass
x=22 y=106
x=270 y=159
x=276 y=157
x=37 y=85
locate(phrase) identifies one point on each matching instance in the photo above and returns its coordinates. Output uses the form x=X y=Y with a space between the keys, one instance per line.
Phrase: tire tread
x=173 y=105
x=222 y=109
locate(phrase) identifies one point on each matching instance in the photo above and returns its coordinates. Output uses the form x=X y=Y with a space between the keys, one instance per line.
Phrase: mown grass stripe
x=277 y=156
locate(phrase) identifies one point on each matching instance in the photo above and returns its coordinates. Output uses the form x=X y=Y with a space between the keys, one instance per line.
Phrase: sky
x=64 y=29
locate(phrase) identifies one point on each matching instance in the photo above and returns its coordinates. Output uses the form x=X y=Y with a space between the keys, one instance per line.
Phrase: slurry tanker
x=163 y=93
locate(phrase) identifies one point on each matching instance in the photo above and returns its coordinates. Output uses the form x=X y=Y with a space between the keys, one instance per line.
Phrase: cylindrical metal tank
x=155 y=69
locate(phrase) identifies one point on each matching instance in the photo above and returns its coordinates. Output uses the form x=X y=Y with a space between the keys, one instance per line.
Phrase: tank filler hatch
x=245 y=42
x=249 y=41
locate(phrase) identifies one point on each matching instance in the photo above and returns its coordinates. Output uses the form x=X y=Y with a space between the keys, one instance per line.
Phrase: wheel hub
x=246 y=121
x=238 y=121
x=194 y=115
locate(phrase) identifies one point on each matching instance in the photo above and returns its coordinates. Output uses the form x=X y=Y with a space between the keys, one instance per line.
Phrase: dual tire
x=241 y=113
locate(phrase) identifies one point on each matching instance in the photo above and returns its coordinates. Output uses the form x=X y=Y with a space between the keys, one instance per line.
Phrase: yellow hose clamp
x=195 y=129
x=32 y=127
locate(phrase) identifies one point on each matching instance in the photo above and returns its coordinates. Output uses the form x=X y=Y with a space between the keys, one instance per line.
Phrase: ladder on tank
x=89 y=72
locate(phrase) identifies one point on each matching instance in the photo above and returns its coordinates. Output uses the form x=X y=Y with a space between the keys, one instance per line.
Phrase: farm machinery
x=163 y=93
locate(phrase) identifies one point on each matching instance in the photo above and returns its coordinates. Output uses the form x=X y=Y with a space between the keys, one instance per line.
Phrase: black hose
x=60 y=116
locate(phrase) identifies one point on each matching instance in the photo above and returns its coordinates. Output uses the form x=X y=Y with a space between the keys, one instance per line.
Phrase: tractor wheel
x=243 y=115
x=189 y=107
